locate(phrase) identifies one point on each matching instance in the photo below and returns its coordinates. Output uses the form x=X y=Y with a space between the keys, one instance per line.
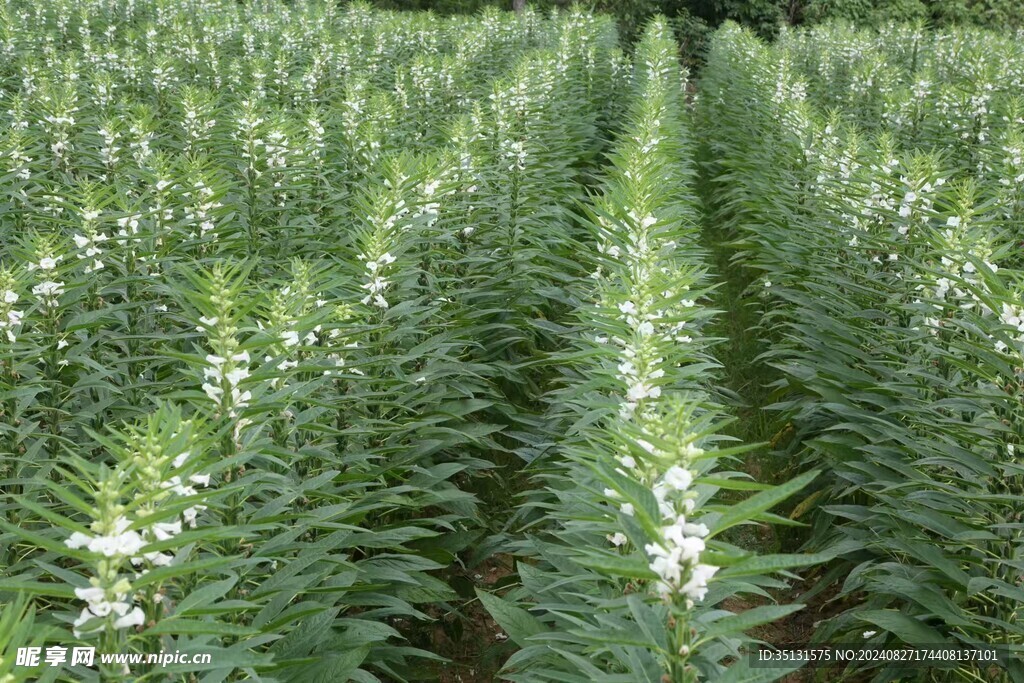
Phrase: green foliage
x=991 y=13
x=271 y=280
x=889 y=274
x=620 y=575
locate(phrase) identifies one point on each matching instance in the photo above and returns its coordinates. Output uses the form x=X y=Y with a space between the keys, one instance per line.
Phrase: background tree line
x=694 y=19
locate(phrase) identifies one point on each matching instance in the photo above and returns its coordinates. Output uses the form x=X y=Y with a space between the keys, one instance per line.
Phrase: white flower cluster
x=316 y=145
x=1013 y=316
x=915 y=207
x=10 y=319
x=957 y=249
x=675 y=556
x=139 y=145
x=223 y=377
x=128 y=227
x=161 y=531
x=1014 y=164
x=46 y=263
x=112 y=540
x=115 y=541
x=48 y=292
x=59 y=128
x=246 y=132
x=200 y=207
x=428 y=206
x=89 y=244
x=639 y=369
x=676 y=559
x=376 y=283
x=109 y=150
x=277 y=148
x=195 y=125
x=103 y=602
x=282 y=324
x=20 y=162
x=514 y=152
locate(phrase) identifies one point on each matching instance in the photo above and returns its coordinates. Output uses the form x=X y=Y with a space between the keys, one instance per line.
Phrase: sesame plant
x=625 y=569
x=891 y=315
x=314 y=316
x=254 y=262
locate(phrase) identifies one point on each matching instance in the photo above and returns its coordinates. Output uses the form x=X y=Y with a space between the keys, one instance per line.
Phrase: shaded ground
x=468 y=636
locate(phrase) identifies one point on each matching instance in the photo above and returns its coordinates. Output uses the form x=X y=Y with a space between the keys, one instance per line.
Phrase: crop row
x=887 y=272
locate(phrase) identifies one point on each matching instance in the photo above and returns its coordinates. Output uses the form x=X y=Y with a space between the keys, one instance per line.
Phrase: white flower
x=134 y=618
x=666 y=563
x=91 y=595
x=618 y=539
x=120 y=542
x=697 y=587
x=125 y=544
x=628 y=307
x=627 y=509
x=640 y=391
x=699 y=530
x=690 y=549
x=678 y=478
x=77 y=540
x=214 y=392
x=48 y=290
x=163 y=530
x=10 y=297
x=868 y=634
x=206 y=322
x=157 y=559
x=236 y=376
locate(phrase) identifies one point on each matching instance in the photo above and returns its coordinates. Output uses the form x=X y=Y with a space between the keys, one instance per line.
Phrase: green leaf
x=516 y=622
x=740 y=623
x=908 y=629
x=759 y=502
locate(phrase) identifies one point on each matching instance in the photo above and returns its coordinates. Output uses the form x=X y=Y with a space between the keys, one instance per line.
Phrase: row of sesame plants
x=869 y=183
x=270 y=276
x=626 y=573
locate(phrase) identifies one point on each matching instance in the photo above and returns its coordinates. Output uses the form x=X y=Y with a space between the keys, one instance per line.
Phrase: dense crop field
x=347 y=345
